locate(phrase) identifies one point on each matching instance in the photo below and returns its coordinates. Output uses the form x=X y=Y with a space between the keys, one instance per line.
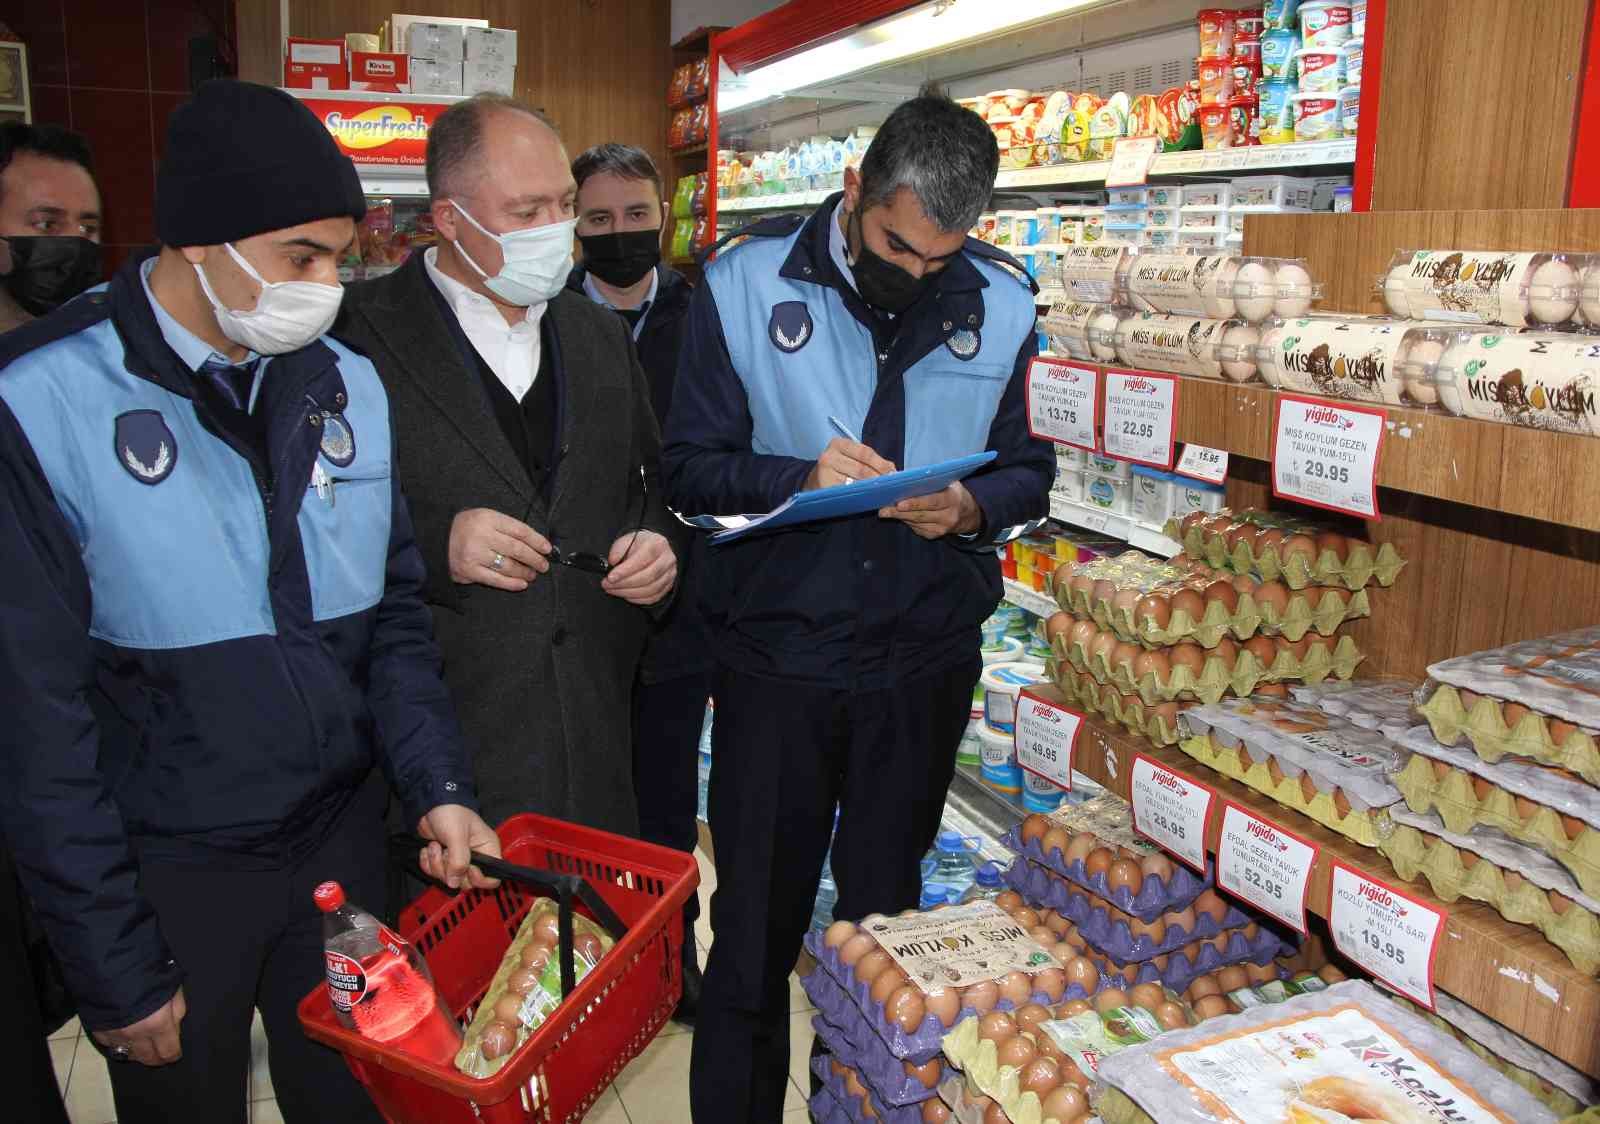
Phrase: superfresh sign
x=381 y=131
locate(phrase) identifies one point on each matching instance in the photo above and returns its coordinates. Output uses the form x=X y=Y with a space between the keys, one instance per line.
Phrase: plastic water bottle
x=704 y=764
x=986 y=884
x=934 y=893
x=955 y=858
x=827 y=898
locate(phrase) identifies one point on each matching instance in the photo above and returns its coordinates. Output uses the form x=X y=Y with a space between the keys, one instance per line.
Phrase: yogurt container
x=1216 y=32
x=1216 y=80
x=1108 y=494
x=1281 y=14
x=985 y=231
x=1040 y=795
x=1152 y=495
x=1349 y=110
x=998 y=761
x=1354 y=57
x=1002 y=683
x=1278 y=48
x=1316 y=117
x=1247 y=27
x=1216 y=126
x=1244 y=127
x=1322 y=69
x=1358 y=18
x=1025 y=231
x=1005 y=227
x=1325 y=23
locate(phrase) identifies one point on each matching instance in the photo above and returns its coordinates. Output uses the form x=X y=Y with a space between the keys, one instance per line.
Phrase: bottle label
x=347 y=981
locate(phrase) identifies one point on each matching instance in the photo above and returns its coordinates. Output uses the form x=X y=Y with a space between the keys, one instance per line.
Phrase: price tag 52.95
x=1170 y=808
x=1387 y=931
x=1265 y=865
x=1326 y=455
x=1062 y=402
x=1139 y=415
x=1047 y=733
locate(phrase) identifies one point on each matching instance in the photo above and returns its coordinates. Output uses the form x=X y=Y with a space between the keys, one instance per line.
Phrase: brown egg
x=1222 y=591
x=1231 y=978
x=1056 y=923
x=1043 y=935
x=997 y=1026
x=944 y=1004
x=1104 y=589
x=1082 y=634
x=1270 y=537
x=1481 y=787
x=1123 y=601
x=1263 y=649
x=887 y=984
x=853 y=1085
x=1100 y=649
x=1065 y=1105
x=1072 y=1007
x=497 y=1040
x=1124 y=875
x=1154 y=931
x=1147 y=995
x=1016 y=1052
x=1070 y=1071
x=508 y=1009
x=1331 y=541
x=1080 y=970
x=1157 y=866
x=1164 y=715
x=1202 y=986
x=1057 y=624
x=1016 y=987
x=852 y=951
x=1110 y=999
x=1226 y=650
x=1079 y=848
x=1073 y=937
x=1184 y=919
x=1210 y=903
x=1033 y=827
x=1080 y=584
x=1040 y=1076
x=837 y=933
x=522 y=981
x=536 y=957
x=927 y=1074
x=1341 y=803
x=1220 y=943
x=1171 y=1015
x=1123 y=653
x=994 y=1113
x=1154 y=664
x=1129 y=973
x=1308 y=788
x=1260 y=973
x=1274 y=771
x=1210 y=1006
x=1331 y=974
x=1272 y=599
x=1558 y=902
x=873 y=965
x=1030 y=1015
x=1026 y=916
x=1188 y=603
x=1052 y=982
x=1008 y=900
x=1054 y=841
x=981 y=997
x=906 y=1008
x=1098 y=862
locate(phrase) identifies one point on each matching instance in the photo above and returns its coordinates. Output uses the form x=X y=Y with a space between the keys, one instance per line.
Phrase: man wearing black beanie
x=210 y=628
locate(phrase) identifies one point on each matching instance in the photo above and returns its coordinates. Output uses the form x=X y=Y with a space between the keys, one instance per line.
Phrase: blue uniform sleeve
x=420 y=743
x=1013 y=491
x=707 y=460
x=56 y=811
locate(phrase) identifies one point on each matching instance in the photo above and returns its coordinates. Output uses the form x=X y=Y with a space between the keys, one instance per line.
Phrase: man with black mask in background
x=49 y=221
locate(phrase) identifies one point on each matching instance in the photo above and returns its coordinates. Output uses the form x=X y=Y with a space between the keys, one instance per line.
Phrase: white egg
x=1237 y=352
x=1422 y=360
x=1218 y=297
x=1254 y=291
x=1589 y=295
x=1394 y=291
x=1102 y=336
x=1294 y=290
x=1206 y=363
x=1267 y=354
x=1553 y=292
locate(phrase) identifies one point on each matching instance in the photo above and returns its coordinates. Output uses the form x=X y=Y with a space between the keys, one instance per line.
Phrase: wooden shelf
x=1507 y=971
x=692 y=150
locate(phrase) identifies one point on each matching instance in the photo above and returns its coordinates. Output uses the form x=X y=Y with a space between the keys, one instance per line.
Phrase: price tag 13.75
x=1170 y=808
x=1047 y=733
x=1327 y=455
x=1139 y=414
x=1387 y=931
x=1063 y=400
x=1265 y=865
x=1202 y=462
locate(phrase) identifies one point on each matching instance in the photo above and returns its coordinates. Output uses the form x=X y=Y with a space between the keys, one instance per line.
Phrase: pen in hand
x=843 y=430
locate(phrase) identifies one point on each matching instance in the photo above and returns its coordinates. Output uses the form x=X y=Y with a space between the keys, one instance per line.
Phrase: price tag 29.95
x=1047 y=733
x=1139 y=415
x=1387 y=931
x=1326 y=455
x=1265 y=865
x=1171 y=809
x=1062 y=402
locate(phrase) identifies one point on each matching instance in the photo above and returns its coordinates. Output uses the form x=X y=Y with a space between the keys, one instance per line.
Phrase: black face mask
x=883 y=284
x=49 y=270
x=621 y=259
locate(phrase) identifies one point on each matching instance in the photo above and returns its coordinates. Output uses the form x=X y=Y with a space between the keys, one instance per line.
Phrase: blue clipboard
x=845 y=499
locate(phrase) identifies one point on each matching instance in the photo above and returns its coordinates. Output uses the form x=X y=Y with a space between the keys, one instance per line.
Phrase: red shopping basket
x=606 y=1020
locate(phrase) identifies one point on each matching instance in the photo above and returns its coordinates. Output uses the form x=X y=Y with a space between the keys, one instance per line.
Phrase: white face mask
x=537 y=261
x=287 y=316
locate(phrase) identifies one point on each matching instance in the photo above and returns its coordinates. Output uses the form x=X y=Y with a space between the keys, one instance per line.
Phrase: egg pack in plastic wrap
x=845 y=1099
x=1360 y=358
x=1539 y=380
x=1515 y=288
x=1272 y=545
x=852 y=1040
x=1497 y=728
x=1158 y=723
x=1372 y=704
x=1346 y=1053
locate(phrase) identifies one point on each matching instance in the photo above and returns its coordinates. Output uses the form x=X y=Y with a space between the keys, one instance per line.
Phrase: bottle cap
x=329 y=896
x=950 y=840
x=987 y=874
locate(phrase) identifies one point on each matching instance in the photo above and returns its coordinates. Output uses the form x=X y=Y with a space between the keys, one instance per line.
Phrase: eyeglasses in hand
x=593 y=563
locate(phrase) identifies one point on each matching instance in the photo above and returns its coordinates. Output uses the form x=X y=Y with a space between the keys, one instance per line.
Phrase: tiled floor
x=654 y=1089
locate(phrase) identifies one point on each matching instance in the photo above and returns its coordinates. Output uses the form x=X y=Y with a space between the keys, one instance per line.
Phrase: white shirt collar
x=467 y=302
x=598 y=297
x=510 y=350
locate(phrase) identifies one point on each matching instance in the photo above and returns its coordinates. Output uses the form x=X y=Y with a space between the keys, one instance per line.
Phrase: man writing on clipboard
x=848 y=649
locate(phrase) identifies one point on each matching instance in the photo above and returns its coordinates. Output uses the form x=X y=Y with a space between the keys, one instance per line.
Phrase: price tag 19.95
x=1171 y=809
x=1387 y=931
x=1265 y=865
x=1139 y=414
x=1063 y=399
x=1047 y=733
x=1202 y=462
x=1327 y=455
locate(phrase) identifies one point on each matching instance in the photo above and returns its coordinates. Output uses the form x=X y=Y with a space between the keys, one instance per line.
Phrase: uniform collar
x=811 y=258
x=592 y=291
x=193 y=351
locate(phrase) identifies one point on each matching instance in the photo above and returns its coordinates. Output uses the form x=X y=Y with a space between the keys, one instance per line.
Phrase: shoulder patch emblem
x=338 y=440
x=965 y=343
x=145 y=446
x=790 y=326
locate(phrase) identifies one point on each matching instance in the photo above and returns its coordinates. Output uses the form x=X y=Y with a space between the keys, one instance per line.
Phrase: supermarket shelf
x=989 y=810
x=1508 y=971
x=1039 y=604
x=690 y=150
x=1123 y=527
x=784 y=202
x=1258 y=158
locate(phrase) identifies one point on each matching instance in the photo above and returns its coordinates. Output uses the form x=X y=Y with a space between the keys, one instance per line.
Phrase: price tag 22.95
x=1171 y=809
x=1387 y=931
x=1047 y=733
x=1265 y=865
x=1062 y=402
x=1139 y=415
x=1326 y=455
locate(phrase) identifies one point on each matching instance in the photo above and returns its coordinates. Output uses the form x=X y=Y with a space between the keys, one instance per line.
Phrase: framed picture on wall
x=14 y=104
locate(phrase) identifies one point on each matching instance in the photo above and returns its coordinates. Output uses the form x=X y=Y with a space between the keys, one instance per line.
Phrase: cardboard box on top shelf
x=380 y=72
x=315 y=64
x=491 y=44
x=431 y=76
x=400 y=34
x=489 y=78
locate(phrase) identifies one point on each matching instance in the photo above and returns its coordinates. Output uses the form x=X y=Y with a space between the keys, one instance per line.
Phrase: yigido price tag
x=1265 y=864
x=1201 y=462
x=1326 y=455
x=1063 y=402
x=1047 y=733
x=1170 y=808
x=1387 y=931
x=1131 y=158
x=1138 y=415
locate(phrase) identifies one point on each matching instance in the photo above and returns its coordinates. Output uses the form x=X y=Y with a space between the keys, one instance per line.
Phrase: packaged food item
x=1216 y=127
x=1316 y=117
x=1372 y=704
x=1152 y=495
x=1216 y=81
x=1322 y=69
x=845 y=1099
x=1280 y=14
x=1538 y=380
x=1335 y=356
x=1280 y=60
x=1243 y=124
x=1216 y=32
x=1183 y=345
x=1553 y=675
x=1197 y=496
x=1350 y=110
x=1344 y=1052
x=1519 y=289
x=1092 y=273
x=1496 y=728
x=1272 y=545
x=1325 y=23
x=1332 y=770
x=853 y=1043
x=1108 y=493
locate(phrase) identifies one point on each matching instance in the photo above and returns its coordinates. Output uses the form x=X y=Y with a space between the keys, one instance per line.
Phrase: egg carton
x=855 y=1043
x=1515 y=879
x=1328 y=768
x=1154 y=897
x=1553 y=675
x=1457 y=715
x=978 y=1059
x=1044 y=888
x=1142 y=1089
x=1158 y=724
x=1372 y=704
x=1320 y=657
x=824 y=1108
x=1555 y=812
x=1351 y=563
x=852 y=1107
x=1557 y=1085
x=921 y=1044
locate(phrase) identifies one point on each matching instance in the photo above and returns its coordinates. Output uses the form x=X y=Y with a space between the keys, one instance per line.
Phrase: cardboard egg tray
x=1558 y=675
x=1512 y=877
x=1189 y=964
x=1480 y=721
x=1324 y=657
x=1044 y=888
x=823 y=1108
x=962 y=1093
x=1372 y=704
x=916 y=1047
x=851 y=1108
x=1109 y=819
x=1127 y=711
x=1362 y=564
x=1278 y=748
x=854 y=1042
x=978 y=1061
x=1552 y=811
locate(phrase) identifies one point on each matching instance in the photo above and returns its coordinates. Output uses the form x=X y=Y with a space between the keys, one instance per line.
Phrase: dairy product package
x=1516 y=288
x=1334 y=357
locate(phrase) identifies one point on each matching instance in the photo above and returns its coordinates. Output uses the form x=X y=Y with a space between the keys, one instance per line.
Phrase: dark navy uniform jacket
x=777 y=342
x=201 y=654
